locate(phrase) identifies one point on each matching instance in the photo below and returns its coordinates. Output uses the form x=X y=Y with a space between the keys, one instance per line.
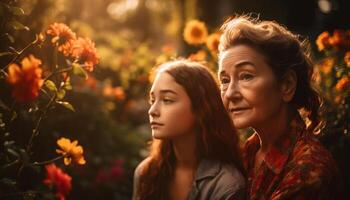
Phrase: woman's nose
x=233 y=92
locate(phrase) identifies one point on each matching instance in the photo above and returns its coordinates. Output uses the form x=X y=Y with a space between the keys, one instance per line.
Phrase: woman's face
x=249 y=89
x=170 y=113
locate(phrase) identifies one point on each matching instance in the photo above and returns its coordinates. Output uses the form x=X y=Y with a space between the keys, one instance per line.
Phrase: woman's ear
x=288 y=86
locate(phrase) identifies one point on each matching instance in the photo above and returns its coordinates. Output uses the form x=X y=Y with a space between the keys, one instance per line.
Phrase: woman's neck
x=185 y=151
x=272 y=129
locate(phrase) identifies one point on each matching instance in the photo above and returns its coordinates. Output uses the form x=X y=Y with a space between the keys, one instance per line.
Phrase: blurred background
x=131 y=37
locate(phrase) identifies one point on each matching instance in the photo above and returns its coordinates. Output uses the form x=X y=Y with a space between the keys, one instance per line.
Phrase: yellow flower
x=70 y=150
x=195 y=32
x=343 y=83
x=198 y=56
x=347 y=58
x=322 y=41
x=213 y=42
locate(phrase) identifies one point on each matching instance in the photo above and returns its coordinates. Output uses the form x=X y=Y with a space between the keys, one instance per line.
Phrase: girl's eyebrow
x=165 y=91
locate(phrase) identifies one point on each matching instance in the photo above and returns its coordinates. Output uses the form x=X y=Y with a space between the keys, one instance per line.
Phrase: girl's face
x=249 y=89
x=170 y=113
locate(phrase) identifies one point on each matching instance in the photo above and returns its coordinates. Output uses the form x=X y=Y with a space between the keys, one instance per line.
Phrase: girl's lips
x=156 y=124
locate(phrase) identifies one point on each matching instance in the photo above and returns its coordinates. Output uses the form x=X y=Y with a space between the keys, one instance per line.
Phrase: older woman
x=265 y=74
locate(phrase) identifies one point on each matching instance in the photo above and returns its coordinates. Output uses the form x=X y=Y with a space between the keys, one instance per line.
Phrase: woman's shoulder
x=312 y=164
x=309 y=151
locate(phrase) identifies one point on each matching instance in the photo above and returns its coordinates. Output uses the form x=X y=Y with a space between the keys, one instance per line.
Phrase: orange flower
x=91 y=82
x=347 y=58
x=199 y=56
x=322 y=41
x=340 y=38
x=343 y=83
x=116 y=92
x=62 y=36
x=85 y=52
x=26 y=81
x=213 y=42
x=168 y=48
x=195 y=32
x=326 y=65
x=70 y=150
x=56 y=177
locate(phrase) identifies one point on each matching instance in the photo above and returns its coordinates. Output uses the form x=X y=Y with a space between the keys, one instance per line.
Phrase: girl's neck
x=185 y=151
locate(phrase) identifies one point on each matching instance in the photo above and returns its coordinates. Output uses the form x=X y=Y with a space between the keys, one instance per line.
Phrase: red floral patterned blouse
x=297 y=167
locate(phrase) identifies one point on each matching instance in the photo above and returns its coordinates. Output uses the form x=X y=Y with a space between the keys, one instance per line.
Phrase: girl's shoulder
x=141 y=166
x=137 y=174
x=219 y=180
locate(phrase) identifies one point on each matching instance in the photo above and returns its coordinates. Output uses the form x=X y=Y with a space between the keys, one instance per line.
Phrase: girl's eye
x=151 y=101
x=167 y=101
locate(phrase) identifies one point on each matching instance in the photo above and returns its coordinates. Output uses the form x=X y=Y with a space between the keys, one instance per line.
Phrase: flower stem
x=46 y=162
x=18 y=53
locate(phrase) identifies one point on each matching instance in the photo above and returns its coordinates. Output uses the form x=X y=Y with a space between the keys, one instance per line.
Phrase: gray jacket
x=213 y=181
x=217 y=181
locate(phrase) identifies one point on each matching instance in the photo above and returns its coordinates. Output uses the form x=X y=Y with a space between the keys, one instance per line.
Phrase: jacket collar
x=278 y=155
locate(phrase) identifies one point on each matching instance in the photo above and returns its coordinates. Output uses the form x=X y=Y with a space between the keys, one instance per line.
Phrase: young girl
x=194 y=152
x=265 y=78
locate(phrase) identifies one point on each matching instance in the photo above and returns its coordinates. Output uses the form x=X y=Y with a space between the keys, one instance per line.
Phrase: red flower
x=26 y=81
x=56 y=177
x=85 y=52
x=114 y=173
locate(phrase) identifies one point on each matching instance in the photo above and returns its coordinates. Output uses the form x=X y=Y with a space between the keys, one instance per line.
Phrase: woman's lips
x=237 y=110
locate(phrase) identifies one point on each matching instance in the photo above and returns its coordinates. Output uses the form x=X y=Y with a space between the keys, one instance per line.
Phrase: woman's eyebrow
x=237 y=65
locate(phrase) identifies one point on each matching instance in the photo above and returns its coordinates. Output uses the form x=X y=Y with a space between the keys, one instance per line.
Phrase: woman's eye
x=224 y=80
x=246 y=76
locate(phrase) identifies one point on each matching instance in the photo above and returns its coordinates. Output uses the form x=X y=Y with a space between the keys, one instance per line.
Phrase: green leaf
x=61 y=94
x=51 y=85
x=66 y=105
x=79 y=71
x=68 y=86
x=2 y=12
x=16 y=10
x=8 y=182
x=5 y=53
x=3 y=105
x=14 y=116
x=13 y=152
x=24 y=156
x=17 y=25
x=10 y=37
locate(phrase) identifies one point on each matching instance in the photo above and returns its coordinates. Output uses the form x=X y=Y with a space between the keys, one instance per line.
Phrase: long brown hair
x=217 y=139
x=283 y=51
